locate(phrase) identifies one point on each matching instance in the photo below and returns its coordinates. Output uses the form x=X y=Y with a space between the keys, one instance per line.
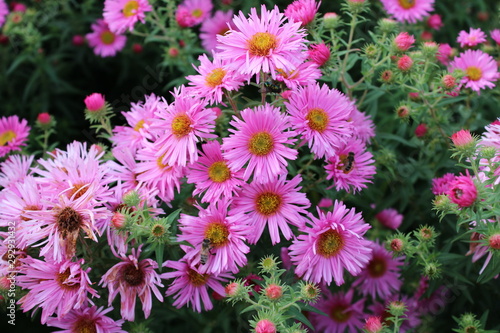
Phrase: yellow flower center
x=139 y=125
x=159 y=162
x=329 y=243
x=6 y=137
x=318 y=119
x=197 y=12
x=214 y=78
x=219 y=172
x=261 y=43
x=217 y=233
x=130 y=8
x=78 y=190
x=181 y=125
x=474 y=73
x=339 y=313
x=261 y=144
x=196 y=278
x=268 y=203
x=84 y=325
x=61 y=280
x=377 y=267
x=107 y=37
x=407 y=4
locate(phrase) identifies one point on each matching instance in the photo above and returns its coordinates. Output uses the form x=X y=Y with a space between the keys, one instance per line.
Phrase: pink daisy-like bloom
x=54 y=287
x=276 y=204
x=212 y=175
x=104 y=42
x=409 y=11
x=260 y=138
x=342 y=313
x=133 y=278
x=214 y=78
x=320 y=115
x=352 y=167
x=4 y=10
x=491 y=137
x=87 y=319
x=302 y=11
x=263 y=43
x=181 y=125
x=462 y=191
x=441 y=185
x=304 y=74
x=121 y=15
x=390 y=218
x=192 y=12
x=139 y=119
x=211 y=27
x=190 y=287
x=226 y=235
x=122 y=170
x=14 y=169
x=471 y=38
x=381 y=276
x=13 y=134
x=481 y=69
x=495 y=35
x=364 y=128
x=333 y=242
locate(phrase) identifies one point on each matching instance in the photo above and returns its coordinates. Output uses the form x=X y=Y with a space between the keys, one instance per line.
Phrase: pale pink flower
x=491 y=137
x=104 y=42
x=304 y=74
x=192 y=12
x=14 y=169
x=481 y=69
x=409 y=11
x=471 y=38
x=13 y=134
x=213 y=26
x=122 y=15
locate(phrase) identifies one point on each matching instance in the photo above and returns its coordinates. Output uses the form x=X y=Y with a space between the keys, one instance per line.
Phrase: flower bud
x=331 y=20
x=373 y=324
x=273 y=292
x=387 y=76
x=462 y=191
x=403 y=41
x=118 y=220
x=435 y=22
x=95 y=102
x=397 y=308
x=265 y=326
x=494 y=241
x=405 y=63
x=309 y=292
x=319 y=53
x=387 y=25
x=421 y=130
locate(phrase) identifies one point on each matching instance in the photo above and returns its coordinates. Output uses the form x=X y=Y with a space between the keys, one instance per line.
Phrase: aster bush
x=287 y=166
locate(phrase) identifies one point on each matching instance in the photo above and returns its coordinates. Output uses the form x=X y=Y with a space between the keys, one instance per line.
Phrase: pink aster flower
x=133 y=278
x=435 y=22
x=319 y=53
x=302 y=11
x=192 y=12
x=212 y=175
x=462 y=191
x=121 y=15
x=444 y=54
x=104 y=42
x=4 y=10
x=441 y=185
x=14 y=169
x=364 y=128
x=226 y=235
x=409 y=11
x=215 y=77
x=320 y=115
x=181 y=125
x=191 y=287
x=213 y=26
x=343 y=314
x=481 y=70
x=304 y=74
x=495 y=35
x=351 y=167
x=333 y=242
x=471 y=38
x=381 y=276
x=260 y=138
x=276 y=204
x=54 y=287
x=87 y=319
x=390 y=218
x=491 y=137
x=263 y=43
x=13 y=134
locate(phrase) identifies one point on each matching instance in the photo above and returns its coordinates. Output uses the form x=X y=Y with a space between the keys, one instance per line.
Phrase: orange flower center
x=215 y=77
x=196 y=278
x=474 y=73
x=197 y=12
x=217 y=233
x=261 y=43
x=268 y=203
x=329 y=243
x=159 y=162
x=84 y=325
x=107 y=37
x=407 y=4
x=219 y=172
x=181 y=125
x=139 y=125
x=377 y=267
x=61 y=280
x=130 y=8
x=261 y=144
x=78 y=190
x=318 y=119
x=339 y=313
x=7 y=136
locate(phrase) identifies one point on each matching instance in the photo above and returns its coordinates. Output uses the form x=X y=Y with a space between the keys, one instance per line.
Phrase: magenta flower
x=276 y=204
x=260 y=138
x=192 y=12
x=13 y=134
x=333 y=242
x=481 y=70
x=435 y=22
x=226 y=234
x=87 y=319
x=319 y=53
x=212 y=175
x=320 y=115
x=442 y=184
x=444 y=54
x=133 y=278
x=191 y=287
x=263 y=43
x=215 y=78
x=104 y=42
x=181 y=125
x=54 y=287
x=121 y=15
x=462 y=191
x=471 y=38
x=495 y=35
x=302 y=11
x=409 y=11
x=390 y=218
x=213 y=26
x=4 y=11
x=381 y=276
x=352 y=167
x=342 y=313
